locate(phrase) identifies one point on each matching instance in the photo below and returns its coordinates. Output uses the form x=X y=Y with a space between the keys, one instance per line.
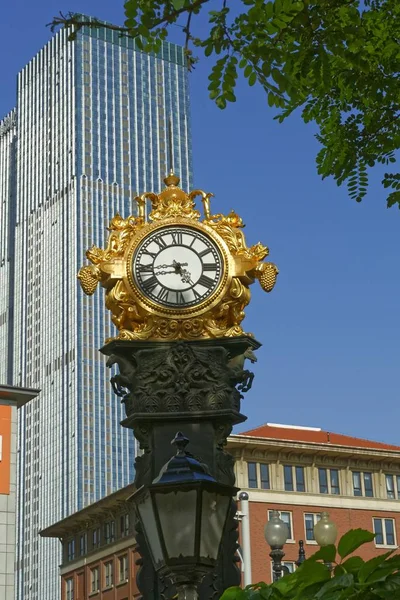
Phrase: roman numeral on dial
x=180 y=299
x=205 y=282
x=204 y=252
x=162 y=294
x=209 y=267
x=160 y=242
x=177 y=238
x=196 y=294
x=146 y=268
x=150 y=283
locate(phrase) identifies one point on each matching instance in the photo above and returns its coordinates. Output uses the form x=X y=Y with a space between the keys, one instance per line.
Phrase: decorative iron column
x=196 y=386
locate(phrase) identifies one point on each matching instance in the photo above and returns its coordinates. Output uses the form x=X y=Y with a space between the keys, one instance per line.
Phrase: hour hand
x=175 y=265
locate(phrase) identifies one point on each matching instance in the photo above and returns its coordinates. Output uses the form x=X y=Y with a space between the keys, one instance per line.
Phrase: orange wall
x=5 y=432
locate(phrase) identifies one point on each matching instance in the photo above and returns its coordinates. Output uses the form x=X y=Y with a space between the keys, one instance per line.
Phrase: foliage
x=337 y=61
x=352 y=577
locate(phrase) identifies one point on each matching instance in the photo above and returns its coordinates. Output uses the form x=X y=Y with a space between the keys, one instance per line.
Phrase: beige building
x=303 y=471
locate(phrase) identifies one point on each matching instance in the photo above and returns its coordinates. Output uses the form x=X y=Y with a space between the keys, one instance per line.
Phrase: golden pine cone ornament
x=267 y=275
x=88 y=279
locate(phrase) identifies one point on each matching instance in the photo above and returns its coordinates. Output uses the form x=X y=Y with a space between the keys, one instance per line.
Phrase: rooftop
x=294 y=433
x=16 y=395
x=91 y=513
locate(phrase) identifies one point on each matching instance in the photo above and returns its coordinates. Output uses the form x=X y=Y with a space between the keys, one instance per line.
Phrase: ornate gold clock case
x=175 y=275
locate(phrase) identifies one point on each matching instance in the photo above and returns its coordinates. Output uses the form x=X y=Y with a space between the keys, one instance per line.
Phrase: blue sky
x=331 y=328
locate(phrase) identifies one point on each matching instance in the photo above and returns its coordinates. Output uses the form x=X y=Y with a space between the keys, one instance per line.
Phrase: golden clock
x=175 y=275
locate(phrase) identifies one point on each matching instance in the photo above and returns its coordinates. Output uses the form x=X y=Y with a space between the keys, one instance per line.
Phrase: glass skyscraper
x=90 y=131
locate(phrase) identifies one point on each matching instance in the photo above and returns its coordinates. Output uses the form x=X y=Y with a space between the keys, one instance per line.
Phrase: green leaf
x=221 y=102
x=266 y=593
x=352 y=540
x=248 y=71
x=353 y=564
x=335 y=584
x=234 y=593
x=252 y=78
x=311 y=572
x=325 y=553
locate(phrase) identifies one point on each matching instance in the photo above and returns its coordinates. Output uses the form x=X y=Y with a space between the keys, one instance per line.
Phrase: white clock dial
x=177 y=266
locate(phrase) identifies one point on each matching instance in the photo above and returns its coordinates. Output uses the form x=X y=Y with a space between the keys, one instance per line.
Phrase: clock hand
x=175 y=264
x=165 y=273
x=186 y=276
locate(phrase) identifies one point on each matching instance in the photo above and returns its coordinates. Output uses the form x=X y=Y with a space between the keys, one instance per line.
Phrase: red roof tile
x=316 y=436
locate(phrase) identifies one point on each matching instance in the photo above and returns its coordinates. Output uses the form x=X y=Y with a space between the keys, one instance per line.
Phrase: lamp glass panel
x=213 y=517
x=146 y=514
x=177 y=514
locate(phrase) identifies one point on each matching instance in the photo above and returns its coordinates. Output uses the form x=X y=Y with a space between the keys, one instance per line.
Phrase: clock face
x=177 y=266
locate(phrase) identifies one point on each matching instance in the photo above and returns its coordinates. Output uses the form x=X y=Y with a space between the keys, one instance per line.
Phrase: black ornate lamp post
x=302 y=554
x=183 y=514
x=276 y=533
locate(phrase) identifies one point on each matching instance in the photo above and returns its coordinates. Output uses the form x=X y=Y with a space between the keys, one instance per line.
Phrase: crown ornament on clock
x=177 y=274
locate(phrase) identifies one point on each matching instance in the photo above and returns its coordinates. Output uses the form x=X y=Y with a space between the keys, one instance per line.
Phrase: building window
x=264 y=476
x=123 y=568
x=368 y=487
x=124 y=525
x=252 y=474
x=393 y=486
x=83 y=544
x=294 y=478
x=384 y=532
x=96 y=537
x=109 y=532
x=310 y=519
x=108 y=574
x=71 y=550
x=287 y=567
x=287 y=518
x=362 y=484
x=290 y=566
x=258 y=475
x=69 y=589
x=94 y=579
x=329 y=481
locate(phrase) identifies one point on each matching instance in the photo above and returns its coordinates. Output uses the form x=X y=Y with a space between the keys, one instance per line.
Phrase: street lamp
x=325 y=533
x=302 y=554
x=276 y=533
x=183 y=514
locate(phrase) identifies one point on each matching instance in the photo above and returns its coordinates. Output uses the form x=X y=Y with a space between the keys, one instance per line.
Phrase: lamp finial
x=180 y=441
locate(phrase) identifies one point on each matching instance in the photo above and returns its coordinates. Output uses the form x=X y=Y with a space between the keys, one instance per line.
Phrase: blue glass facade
x=91 y=128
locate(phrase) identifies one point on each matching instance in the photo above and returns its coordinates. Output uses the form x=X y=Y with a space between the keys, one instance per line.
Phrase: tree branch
x=73 y=19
